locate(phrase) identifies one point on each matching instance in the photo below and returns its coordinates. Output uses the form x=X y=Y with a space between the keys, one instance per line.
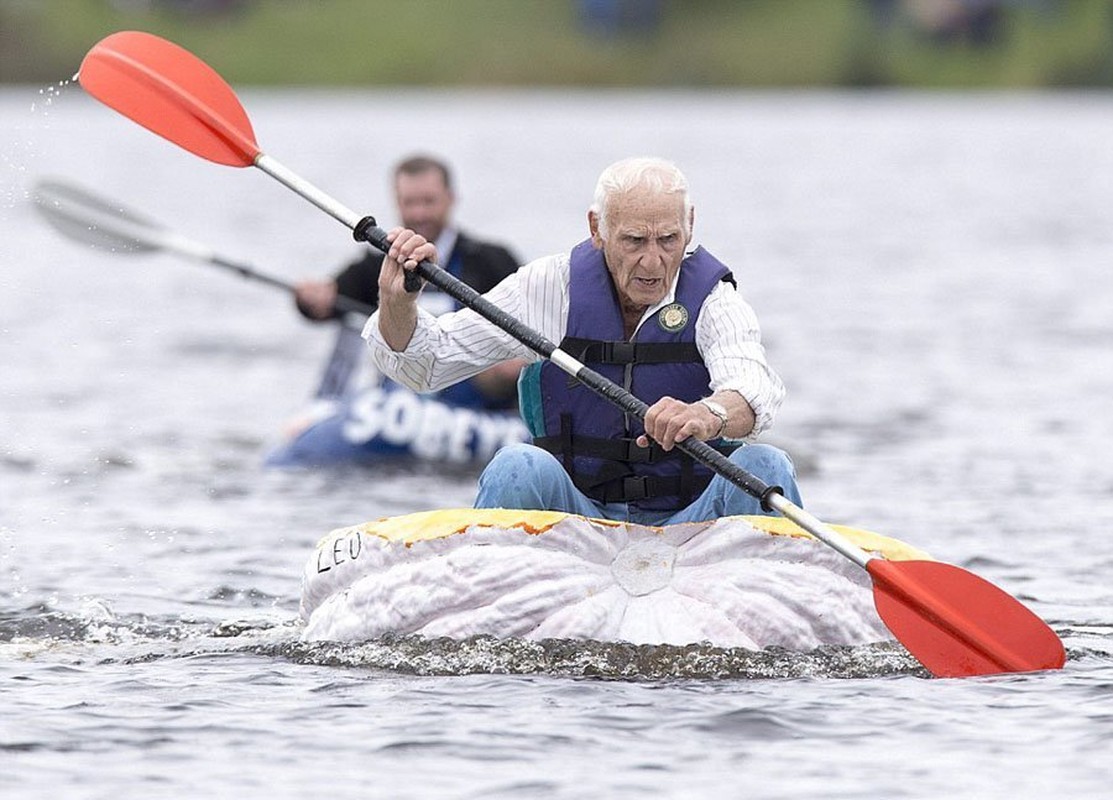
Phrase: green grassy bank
x=758 y=43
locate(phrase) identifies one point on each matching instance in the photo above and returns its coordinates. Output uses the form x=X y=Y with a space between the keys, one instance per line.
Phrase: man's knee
x=763 y=458
x=518 y=476
x=769 y=463
x=522 y=459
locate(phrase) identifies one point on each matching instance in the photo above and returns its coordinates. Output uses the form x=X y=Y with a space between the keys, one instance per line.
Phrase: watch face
x=673 y=317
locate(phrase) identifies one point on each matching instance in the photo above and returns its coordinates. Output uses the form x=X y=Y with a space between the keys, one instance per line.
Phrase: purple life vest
x=594 y=439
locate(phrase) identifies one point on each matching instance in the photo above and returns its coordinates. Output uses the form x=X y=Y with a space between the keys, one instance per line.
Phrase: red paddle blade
x=170 y=91
x=957 y=624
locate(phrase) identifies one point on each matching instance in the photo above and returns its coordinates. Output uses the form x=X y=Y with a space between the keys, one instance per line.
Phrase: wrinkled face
x=644 y=244
x=424 y=202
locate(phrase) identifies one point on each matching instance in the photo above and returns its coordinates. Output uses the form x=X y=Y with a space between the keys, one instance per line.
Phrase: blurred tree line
x=714 y=43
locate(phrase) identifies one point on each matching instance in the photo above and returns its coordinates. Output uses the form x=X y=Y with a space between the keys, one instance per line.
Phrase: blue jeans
x=524 y=476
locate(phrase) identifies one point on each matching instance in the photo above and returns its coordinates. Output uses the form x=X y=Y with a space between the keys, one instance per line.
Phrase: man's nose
x=652 y=253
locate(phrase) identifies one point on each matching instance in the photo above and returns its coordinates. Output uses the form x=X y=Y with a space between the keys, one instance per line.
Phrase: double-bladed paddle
x=108 y=225
x=954 y=622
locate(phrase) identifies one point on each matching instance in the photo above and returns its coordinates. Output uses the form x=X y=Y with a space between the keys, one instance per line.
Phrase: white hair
x=655 y=174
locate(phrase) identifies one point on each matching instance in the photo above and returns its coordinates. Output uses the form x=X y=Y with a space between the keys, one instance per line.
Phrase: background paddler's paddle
x=954 y=622
x=107 y=225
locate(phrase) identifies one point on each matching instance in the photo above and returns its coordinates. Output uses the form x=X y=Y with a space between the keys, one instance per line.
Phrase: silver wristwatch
x=719 y=411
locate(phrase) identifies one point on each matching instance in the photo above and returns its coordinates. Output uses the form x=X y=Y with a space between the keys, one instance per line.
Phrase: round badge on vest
x=672 y=318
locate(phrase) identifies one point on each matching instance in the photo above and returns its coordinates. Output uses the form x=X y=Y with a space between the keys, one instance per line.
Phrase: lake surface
x=934 y=276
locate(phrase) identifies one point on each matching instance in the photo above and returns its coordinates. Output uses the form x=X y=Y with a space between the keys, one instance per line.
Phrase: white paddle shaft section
x=307 y=190
x=566 y=362
x=824 y=533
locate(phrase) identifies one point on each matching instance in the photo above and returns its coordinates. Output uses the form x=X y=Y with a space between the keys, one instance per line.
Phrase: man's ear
x=593 y=226
x=691 y=224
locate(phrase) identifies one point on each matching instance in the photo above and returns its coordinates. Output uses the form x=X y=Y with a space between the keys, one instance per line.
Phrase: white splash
x=21 y=153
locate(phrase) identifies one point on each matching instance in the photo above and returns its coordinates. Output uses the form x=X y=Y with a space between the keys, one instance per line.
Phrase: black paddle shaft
x=368 y=231
x=345 y=305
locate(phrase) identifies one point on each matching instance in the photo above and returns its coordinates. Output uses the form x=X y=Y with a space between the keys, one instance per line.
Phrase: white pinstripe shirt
x=452 y=347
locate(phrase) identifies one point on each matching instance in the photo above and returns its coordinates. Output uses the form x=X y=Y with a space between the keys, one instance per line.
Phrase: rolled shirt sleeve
x=728 y=337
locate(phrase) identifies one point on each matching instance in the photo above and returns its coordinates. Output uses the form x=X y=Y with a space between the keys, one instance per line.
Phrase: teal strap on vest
x=529 y=398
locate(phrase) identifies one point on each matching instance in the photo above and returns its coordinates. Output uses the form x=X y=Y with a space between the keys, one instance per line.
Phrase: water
x=932 y=274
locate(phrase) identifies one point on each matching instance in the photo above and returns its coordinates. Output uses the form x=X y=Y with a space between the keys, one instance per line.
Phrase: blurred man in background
x=424 y=194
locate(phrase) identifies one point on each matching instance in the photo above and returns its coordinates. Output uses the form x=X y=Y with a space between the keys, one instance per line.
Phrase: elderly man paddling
x=633 y=303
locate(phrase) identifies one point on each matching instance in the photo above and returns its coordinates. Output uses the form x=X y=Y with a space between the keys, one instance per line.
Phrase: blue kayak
x=387 y=422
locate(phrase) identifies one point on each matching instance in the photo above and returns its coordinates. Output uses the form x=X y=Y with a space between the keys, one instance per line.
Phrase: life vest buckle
x=618 y=352
x=634 y=487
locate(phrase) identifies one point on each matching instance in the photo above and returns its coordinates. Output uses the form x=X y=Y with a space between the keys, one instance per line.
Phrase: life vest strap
x=594 y=351
x=631 y=488
x=566 y=445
